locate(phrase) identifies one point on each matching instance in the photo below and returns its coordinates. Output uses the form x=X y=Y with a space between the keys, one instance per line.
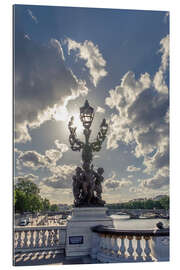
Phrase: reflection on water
x=123 y=222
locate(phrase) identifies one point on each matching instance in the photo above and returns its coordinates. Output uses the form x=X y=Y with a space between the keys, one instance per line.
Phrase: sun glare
x=77 y=123
x=62 y=114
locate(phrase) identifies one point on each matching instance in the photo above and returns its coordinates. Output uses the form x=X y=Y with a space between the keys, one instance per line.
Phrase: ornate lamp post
x=87 y=183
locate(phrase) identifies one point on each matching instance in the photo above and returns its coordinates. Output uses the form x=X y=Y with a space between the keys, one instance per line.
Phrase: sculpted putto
x=87 y=187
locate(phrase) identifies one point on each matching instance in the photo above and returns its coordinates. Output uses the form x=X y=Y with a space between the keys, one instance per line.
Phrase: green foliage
x=46 y=205
x=28 y=199
x=54 y=208
x=163 y=203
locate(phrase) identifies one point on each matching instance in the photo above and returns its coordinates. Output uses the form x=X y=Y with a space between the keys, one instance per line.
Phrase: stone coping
x=112 y=231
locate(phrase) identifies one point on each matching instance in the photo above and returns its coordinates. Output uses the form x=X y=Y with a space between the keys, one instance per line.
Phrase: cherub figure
x=98 y=182
x=77 y=182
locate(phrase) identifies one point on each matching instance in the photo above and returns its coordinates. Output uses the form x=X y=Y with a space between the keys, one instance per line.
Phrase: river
x=123 y=222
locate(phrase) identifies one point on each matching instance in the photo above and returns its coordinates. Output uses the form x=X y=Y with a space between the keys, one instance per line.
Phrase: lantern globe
x=86 y=115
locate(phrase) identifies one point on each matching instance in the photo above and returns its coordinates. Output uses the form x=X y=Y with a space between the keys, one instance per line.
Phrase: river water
x=123 y=222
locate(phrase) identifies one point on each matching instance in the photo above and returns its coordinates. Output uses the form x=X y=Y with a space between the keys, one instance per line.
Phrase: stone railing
x=112 y=245
x=39 y=238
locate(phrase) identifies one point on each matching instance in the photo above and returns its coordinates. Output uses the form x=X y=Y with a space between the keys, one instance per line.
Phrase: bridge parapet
x=112 y=245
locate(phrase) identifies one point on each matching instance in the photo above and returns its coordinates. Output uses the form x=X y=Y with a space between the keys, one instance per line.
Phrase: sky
x=119 y=61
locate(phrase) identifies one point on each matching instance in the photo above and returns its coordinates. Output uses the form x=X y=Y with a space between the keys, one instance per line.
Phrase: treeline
x=162 y=203
x=27 y=198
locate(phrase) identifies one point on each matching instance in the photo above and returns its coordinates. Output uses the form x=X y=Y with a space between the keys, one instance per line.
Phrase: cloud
x=160 y=179
x=132 y=168
x=56 y=44
x=90 y=53
x=53 y=155
x=34 y=160
x=43 y=84
x=141 y=116
x=64 y=171
x=135 y=190
x=114 y=183
x=61 y=146
x=32 y=16
x=31 y=159
x=100 y=110
x=61 y=178
x=26 y=177
x=159 y=80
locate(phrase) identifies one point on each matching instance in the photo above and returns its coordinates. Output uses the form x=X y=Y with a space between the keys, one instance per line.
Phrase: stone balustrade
x=111 y=245
x=39 y=238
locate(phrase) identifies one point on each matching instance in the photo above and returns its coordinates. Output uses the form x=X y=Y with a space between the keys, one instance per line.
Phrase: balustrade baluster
x=43 y=238
x=122 y=247
x=22 y=239
x=56 y=239
x=109 y=245
x=18 y=239
x=115 y=246
x=37 y=239
x=106 y=248
x=53 y=237
x=40 y=238
x=25 y=239
x=147 y=249
x=139 y=250
x=103 y=243
x=31 y=245
x=130 y=249
x=49 y=238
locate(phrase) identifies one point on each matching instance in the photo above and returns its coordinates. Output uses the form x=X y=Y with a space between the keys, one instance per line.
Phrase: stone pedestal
x=79 y=235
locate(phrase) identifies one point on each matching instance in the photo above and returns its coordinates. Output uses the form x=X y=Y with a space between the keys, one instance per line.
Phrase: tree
x=54 y=208
x=164 y=201
x=28 y=187
x=46 y=204
x=27 y=197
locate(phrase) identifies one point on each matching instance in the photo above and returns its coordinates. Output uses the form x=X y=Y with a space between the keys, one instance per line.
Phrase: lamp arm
x=76 y=144
x=96 y=146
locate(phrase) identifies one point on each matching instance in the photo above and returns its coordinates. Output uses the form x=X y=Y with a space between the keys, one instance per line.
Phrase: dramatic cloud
x=56 y=44
x=53 y=155
x=94 y=60
x=61 y=178
x=32 y=16
x=34 y=160
x=158 y=181
x=142 y=115
x=43 y=84
x=31 y=177
x=100 y=110
x=61 y=146
x=114 y=183
x=159 y=78
x=31 y=159
x=132 y=168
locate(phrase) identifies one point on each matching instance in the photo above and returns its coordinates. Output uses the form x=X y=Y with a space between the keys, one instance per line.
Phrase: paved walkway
x=44 y=258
